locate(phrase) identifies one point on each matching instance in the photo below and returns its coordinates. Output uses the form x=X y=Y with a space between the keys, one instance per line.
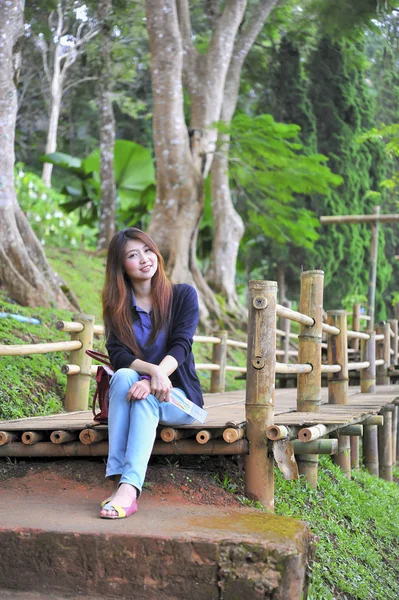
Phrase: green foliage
x=357 y=524
x=134 y=182
x=43 y=207
x=267 y=169
x=344 y=110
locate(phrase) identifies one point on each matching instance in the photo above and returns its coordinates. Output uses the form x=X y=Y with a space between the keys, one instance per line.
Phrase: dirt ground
x=191 y=480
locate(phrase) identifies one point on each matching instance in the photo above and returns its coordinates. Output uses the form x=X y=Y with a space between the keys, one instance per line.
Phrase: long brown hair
x=117 y=292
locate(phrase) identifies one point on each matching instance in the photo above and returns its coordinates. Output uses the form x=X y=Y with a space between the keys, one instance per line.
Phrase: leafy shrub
x=42 y=206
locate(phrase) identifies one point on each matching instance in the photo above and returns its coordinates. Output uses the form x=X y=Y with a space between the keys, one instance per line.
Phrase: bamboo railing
x=377 y=352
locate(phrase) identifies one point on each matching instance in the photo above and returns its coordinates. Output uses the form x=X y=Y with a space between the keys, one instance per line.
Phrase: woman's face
x=140 y=263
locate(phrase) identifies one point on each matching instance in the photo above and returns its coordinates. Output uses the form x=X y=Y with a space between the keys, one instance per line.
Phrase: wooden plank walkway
x=228 y=409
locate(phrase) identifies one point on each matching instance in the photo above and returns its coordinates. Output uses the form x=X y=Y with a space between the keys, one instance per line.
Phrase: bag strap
x=100 y=357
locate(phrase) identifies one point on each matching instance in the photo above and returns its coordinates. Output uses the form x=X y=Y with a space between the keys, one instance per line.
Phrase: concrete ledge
x=233 y=556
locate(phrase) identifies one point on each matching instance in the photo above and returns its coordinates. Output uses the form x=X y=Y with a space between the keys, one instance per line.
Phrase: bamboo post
x=78 y=386
x=373 y=267
x=370 y=449
x=395 y=415
x=219 y=357
x=285 y=325
x=397 y=438
x=394 y=340
x=367 y=376
x=355 y=326
x=355 y=452
x=309 y=351
x=382 y=351
x=259 y=400
x=337 y=352
x=385 y=445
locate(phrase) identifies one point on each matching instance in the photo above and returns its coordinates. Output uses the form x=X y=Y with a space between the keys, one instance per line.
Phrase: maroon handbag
x=101 y=395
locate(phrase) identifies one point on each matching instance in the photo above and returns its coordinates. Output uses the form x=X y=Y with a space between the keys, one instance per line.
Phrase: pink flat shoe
x=123 y=511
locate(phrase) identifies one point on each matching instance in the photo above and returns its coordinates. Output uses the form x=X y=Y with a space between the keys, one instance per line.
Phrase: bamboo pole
x=215 y=447
x=395 y=416
x=62 y=437
x=285 y=326
x=355 y=452
x=92 y=436
x=259 y=400
x=309 y=351
x=6 y=437
x=373 y=265
x=338 y=382
x=316 y=447
x=28 y=349
x=370 y=449
x=382 y=353
x=170 y=434
x=385 y=445
x=374 y=420
x=394 y=341
x=397 y=439
x=281 y=432
x=374 y=218
x=219 y=357
x=32 y=437
x=233 y=434
x=293 y=315
x=367 y=376
x=355 y=342
x=78 y=386
x=205 y=435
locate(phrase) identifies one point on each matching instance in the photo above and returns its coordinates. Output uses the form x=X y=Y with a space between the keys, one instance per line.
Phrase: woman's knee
x=124 y=376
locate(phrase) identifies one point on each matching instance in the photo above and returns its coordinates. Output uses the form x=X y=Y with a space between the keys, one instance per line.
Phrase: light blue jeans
x=132 y=428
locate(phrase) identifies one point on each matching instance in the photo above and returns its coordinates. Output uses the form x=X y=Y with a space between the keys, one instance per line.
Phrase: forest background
x=260 y=116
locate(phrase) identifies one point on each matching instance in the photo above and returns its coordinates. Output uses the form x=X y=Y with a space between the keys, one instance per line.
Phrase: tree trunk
x=183 y=159
x=107 y=133
x=229 y=227
x=55 y=107
x=24 y=270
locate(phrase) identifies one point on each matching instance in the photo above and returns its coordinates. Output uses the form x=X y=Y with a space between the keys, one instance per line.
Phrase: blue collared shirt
x=142 y=326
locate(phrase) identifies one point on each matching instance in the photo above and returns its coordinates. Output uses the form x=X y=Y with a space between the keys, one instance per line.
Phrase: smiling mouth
x=146 y=268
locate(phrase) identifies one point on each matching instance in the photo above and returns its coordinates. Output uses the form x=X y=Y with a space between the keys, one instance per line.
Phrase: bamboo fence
x=375 y=353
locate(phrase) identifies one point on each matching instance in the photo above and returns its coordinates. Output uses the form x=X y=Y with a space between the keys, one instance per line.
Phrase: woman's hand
x=139 y=390
x=160 y=385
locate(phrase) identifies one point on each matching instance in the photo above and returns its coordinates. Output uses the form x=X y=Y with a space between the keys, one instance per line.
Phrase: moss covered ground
x=356 y=521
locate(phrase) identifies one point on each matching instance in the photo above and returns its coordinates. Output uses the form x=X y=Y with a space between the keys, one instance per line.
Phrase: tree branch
x=190 y=77
x=78 y=82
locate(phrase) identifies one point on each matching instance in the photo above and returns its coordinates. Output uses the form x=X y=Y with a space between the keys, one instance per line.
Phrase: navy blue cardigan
x=183 y=322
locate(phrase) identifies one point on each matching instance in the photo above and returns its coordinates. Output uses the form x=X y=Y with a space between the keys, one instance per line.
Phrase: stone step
x=53 y=544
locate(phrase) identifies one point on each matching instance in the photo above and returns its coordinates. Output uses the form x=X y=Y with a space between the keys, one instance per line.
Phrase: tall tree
x=184 y=155
x=67 y=38
x=107 y=131
x=24 y=270
x=229 y=227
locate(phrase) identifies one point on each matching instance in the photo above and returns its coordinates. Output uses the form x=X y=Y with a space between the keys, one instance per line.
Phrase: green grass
x=357 y=523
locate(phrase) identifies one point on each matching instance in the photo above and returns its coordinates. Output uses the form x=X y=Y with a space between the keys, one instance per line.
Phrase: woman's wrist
x=146 y=377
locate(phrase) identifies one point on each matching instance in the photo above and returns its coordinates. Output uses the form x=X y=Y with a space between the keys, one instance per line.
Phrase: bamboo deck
x=228 y=410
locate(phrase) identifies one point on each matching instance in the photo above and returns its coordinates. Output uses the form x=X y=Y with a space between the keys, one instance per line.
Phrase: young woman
x=149 y=326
